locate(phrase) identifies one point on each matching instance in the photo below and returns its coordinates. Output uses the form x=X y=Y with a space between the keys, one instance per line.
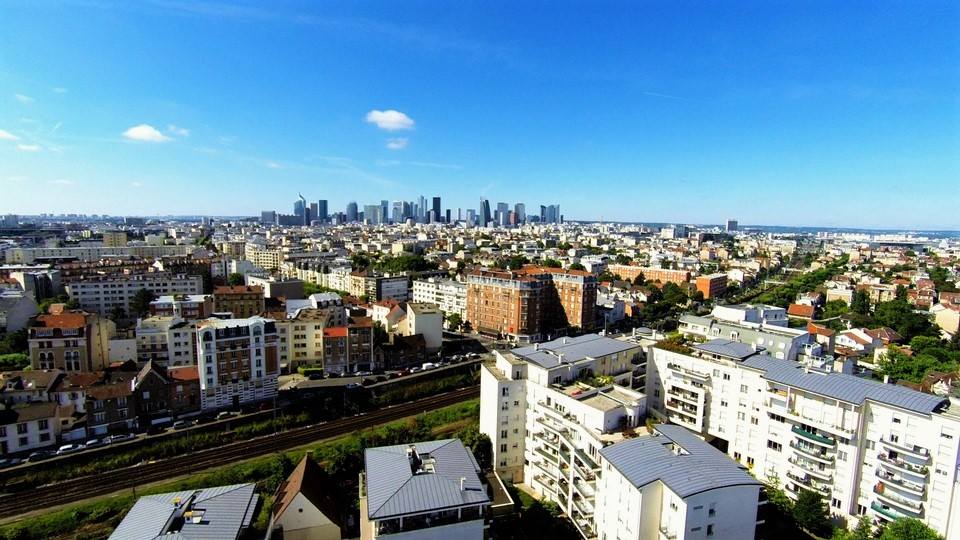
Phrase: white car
x=69 y=448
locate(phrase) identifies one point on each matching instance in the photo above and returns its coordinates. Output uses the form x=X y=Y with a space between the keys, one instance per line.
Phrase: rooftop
x=678 y=458
x=726 y=348
x=443 y=475
x=569 y=350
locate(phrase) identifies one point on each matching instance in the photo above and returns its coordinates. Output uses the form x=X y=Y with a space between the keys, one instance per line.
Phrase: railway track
x=78 y=489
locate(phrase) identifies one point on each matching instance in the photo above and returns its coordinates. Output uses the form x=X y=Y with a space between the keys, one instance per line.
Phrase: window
x=741 y=416
x=43 y=424
x=503 y=434
x=21 y=428
x=753 y=420
x=841 y=455
x=835 y=503
x=896 y=420
x=861 y=509
x=726 y=376
x=710 y=527
x=743 y=389
x=871 y=445
x=503 y=448
x=774 y=445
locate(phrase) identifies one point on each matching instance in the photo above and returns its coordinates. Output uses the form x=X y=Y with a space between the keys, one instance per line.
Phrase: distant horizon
x=955 y=232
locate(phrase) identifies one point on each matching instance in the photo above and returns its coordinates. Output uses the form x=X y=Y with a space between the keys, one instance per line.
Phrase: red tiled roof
x=185 y=373
x=800 y=310
x=70 y=319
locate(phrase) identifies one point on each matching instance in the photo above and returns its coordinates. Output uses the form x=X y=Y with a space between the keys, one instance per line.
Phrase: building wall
x=102 y=296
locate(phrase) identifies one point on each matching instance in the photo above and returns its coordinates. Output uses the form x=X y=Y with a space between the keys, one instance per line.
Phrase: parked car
x=428 y=366
x=93 y=443
x=364 y=373
x=156 y=430
x=353 y=386
x=183 y=424
x=10 y=462
x=121 y=437
x=226 y=414
x=40 y=455
x=315 y=377
x=69 y=448
x=415 y=370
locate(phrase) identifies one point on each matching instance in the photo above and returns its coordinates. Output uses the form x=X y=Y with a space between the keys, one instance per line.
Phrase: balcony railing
x=811 y=452
x=889 y=513
x=811 y=469
x=913 y=507
x=826 y=441
x=902 y=465
x=915 y=451
x=809 y=484
x=899 y=483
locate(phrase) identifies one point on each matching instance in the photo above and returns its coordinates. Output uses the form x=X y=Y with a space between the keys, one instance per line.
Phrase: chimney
x=536 y=346
x=463 y=480
x=414 y=459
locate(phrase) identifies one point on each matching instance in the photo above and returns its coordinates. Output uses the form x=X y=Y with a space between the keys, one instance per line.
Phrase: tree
x=621 y=259
x=834 y=308
x=552 y=263
x=673 y=294
x=14 y=361
x=379 y=334
x=235 y=279
x=577 y=266
x=901 y=293
x=14 y=342
x=860 y=302
x=908 y=529
x=479 y=444
x=899 y=315
x=810 y=512
x=640 y=279
x=140 y=304
x=117 y=314
x=454 y=321
x=863 y=531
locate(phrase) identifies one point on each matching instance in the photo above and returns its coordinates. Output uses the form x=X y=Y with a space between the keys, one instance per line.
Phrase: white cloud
x=390 y=120
x=7 y=136
x=178 y=131
x=136 y=184
x=23 y=99
x=59 y=90
x=145 y=132
x=17 y=179
x=398 y=143
x=28 y=147
x=61 y=182
x=273 y=165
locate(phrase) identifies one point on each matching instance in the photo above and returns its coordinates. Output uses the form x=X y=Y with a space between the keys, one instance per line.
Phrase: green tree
x=622 y=259
x=639 y=280
x=834 y=308
x=14 y=342
x=454 y=321
x=235 y=279
x=140 y=303
x=673 y=294
x=117 y=314
x=552 y=263
x=899 y=315
x=810 y=512
x=577 y=266
x=908 y=529
x=14 y=361
x=901 y=293
x=863 y=530
x=860 y=303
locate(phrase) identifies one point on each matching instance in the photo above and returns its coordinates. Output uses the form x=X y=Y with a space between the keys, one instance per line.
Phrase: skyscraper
x=484 y=213
x=352 y=212
x=372 y=215
x=436 y=208
x=323 y=213
x=314 y=210
x=732 y=225
x=520 y=210
x=501 y=215
x=398 y=212
x=300 y=209
x=421 y=209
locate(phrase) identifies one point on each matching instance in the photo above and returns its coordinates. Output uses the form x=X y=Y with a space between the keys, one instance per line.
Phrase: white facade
x=238 y=361
x=103 y=295
x=867 y=447
x=449 y=295
x=752 y=313
x=168 y=341
x=427 y=321
x=20 y=255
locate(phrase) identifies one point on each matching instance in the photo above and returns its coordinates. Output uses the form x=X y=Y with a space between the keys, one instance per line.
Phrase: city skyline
x=642 y=113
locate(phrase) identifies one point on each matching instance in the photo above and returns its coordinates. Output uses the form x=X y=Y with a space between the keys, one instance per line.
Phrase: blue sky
x=789 y=113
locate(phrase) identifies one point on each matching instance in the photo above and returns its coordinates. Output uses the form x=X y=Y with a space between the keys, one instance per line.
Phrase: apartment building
x=663 y=275
x=104 y=294
x=673 y=485
x=113 y=239
x=22 y=255
x=263 y=256
x=531 y=303
x=185 y=306
x=429 y=490
x=425 y=320
x=111 y=406
x=751 y=313
x=349 y=348
x=237 y=361
x=377 y=287
x=779 y=341
x=449 y=295
x=243 y=301
x=166 y=341
x=550 y=408
x=869 y=448
x=161 y=394
x=712 y=286
x=72 y=341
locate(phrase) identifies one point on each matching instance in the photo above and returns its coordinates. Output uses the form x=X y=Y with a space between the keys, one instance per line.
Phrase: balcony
x=899 y=503
x=688 y=373
x=682 y=408
x=553 y=458
x=900 y=465
x=918 y=452
x=819 y=439
x=888 y=513
x=808 y=483
x=683 y=395
x=812 y=469
x=811 y=453
x=584 y=489
x=667 y=534
x=891 y=481
x=547 y=483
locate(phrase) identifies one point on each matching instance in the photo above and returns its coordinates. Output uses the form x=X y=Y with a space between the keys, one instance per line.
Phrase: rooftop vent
x=414 y=459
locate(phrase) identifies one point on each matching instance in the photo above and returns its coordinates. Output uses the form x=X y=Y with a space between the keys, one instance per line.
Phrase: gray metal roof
x=698 y=468
x=843 y=387
x=394 y=490
x=228 y=510
x=573 y=349
x=727 y=348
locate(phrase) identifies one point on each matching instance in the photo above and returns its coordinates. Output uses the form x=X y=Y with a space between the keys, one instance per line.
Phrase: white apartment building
x=102 y=295
x=778 y=341
x=867 y=447
x=29 y=427
x=167 y=341
x=673 y=485
x=237 y=361
x=752 y=313
x=21 y=255
x=449 y=295
x=550 y=408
